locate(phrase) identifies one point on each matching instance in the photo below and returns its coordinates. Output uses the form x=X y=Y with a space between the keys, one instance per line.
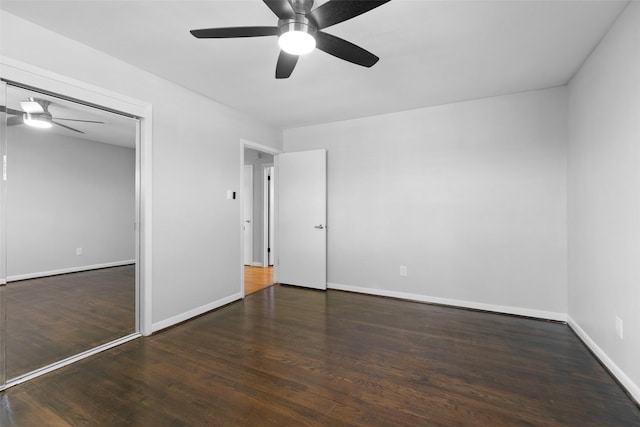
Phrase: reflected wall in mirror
x=70 y=239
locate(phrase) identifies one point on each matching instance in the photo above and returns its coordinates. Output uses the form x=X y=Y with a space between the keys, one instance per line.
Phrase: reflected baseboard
x=77 y=269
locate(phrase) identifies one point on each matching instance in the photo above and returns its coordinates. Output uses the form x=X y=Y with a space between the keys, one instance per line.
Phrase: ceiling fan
x=35 y=113
x=299 y=31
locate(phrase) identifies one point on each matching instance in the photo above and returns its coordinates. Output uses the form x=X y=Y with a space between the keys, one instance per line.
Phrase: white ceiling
x=432 y=52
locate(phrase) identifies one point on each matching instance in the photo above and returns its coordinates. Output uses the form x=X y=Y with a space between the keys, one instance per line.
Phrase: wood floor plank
x=300 y=357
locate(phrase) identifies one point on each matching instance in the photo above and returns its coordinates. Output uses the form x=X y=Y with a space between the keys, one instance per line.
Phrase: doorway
x=70 y=244
x=258 y=209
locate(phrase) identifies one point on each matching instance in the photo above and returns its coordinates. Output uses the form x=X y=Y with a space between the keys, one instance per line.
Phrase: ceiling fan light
x=41 y=121
x=297 y=42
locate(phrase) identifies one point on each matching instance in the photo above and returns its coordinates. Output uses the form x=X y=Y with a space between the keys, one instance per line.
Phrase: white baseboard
x=155 y=327
x=257 y=264
x=69 y=270
x=519 y=311
x=626 y=382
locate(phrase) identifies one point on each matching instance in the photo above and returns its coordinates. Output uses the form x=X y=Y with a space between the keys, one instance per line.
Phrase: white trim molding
x=259 y=147
x=69 y=270
x=624 y=380
x=265 y=212
x=34 y=76
x=195 y=312
x=503 y=309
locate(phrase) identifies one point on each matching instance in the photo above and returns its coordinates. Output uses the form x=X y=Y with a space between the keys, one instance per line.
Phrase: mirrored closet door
x=69 y=242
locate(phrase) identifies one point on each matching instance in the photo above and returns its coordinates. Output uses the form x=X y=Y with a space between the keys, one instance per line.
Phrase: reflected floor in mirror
x=52 y=318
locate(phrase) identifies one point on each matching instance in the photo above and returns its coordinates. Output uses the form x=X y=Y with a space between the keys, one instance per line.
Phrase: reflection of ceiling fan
x=35 y=112
x=299 y=32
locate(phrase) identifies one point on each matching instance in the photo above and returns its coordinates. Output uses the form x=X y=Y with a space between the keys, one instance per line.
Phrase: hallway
x=257 y=278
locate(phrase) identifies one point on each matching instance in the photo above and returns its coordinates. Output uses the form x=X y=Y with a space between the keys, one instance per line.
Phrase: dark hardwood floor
x=52 y=318
x=286 y=356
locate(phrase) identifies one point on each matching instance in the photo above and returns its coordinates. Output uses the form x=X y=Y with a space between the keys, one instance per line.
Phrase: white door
x=301 y=202
x=247 y=215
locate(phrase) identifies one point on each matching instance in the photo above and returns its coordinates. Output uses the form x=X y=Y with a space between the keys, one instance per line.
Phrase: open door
x=301 y=201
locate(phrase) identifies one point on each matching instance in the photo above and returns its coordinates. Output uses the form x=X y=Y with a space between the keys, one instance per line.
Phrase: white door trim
x=247 y=168
x=265 y=149
x=30 y=75
x=265 y=214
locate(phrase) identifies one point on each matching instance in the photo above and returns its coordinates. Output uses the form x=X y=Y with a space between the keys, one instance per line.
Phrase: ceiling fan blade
x=31 y=107
x=66 y=127
x=336 y=11
x=344 y=50
x=5 y=109
x=232 y=32
x=282 y=8
x=76 y=120
x=14 y=121
x=286 y=64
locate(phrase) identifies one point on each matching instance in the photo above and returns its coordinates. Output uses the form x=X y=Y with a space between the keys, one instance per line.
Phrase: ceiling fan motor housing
x=300 y=22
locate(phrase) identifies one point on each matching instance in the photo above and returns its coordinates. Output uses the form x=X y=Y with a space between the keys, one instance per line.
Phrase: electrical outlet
x=403 y=270
x=619 y=328
x=78 y=251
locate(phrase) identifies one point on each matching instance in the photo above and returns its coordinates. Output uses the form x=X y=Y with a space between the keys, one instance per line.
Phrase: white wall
x=196 y=231
x=65 y=193
x=471 y=197
x=258 y=160
x=604 y=198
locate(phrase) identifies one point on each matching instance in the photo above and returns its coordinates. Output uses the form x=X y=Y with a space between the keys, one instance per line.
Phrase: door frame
x=265 y=212
x=248 y=168
x=265 y=149
x=32 y=76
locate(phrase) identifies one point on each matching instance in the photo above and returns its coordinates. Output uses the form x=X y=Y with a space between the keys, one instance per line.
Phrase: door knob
x=320 y=227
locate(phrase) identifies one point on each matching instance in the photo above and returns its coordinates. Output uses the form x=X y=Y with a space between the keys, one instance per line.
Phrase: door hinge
x=269 y=178
x=268 y=249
